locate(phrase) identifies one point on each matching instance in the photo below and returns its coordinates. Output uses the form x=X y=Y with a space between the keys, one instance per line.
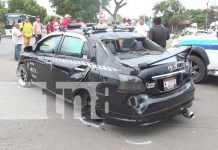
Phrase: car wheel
x=199 y=70
x=23 y=77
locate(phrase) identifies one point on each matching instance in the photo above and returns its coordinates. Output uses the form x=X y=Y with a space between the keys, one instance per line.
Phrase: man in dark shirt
x=158 y=33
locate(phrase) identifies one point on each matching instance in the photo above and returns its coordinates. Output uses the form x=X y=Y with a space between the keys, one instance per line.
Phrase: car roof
x=117 y=35
x=74 y=34
x=107 y=35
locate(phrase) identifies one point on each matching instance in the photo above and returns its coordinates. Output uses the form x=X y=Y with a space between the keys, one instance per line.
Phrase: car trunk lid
x=163 y=73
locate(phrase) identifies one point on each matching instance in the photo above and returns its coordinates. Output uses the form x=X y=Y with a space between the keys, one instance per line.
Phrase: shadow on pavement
x=212 y=80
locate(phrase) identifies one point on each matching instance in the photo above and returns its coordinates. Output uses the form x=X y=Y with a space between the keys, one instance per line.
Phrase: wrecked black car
x=138 y=82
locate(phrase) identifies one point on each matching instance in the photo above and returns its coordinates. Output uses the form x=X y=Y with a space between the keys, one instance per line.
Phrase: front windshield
x=132 y=48
x=11 y=19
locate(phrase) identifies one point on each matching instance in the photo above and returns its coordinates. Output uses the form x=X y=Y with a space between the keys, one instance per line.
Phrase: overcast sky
x=135 y=8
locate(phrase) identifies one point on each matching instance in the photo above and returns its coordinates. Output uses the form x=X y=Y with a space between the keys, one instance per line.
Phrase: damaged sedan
x=138 y=82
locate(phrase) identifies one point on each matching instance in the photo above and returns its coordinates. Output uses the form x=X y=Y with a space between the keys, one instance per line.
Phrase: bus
x=10 y=18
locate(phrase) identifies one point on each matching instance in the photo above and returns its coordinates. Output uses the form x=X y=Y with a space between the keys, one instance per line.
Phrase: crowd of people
x=22 y=33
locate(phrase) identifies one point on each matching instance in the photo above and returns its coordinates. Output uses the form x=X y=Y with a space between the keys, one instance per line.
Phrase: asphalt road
x=30 y=121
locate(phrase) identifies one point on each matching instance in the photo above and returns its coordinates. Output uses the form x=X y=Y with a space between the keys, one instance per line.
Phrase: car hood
x=149 y=60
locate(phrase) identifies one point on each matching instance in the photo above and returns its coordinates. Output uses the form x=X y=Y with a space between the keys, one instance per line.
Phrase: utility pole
x=207 y=14
x=216 y=11
x=100 y=7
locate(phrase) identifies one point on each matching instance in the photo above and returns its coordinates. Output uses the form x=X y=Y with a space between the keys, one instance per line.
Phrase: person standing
x=56 y=24
x=65 y=23
x=129 y=21
x=142 y=28
x=81 y=22
x=158 y=33
x=114 y=23
x=37 y=29
x=17 y=39
x=74 y=22
x=27 y=30
x=101 y=22
x=124 y=23
x=50 y=26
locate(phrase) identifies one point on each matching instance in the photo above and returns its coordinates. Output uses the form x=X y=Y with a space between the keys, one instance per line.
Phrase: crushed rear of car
x=139 y=82
x=150 y=84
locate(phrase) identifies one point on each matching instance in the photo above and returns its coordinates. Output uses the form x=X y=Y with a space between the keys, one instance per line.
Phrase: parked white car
x=201 y=67
x=189 y=34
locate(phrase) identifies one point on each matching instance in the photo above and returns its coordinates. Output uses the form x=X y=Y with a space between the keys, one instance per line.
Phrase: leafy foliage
x=29 y=7
x=86 y=9
x=172 y=12
x=197 y=16
x=48 y=18
x=118 y=5
x=175 y=15
x=212 y=14
x=2 y=9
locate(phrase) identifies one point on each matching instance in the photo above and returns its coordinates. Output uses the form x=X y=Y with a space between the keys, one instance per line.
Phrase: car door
x=73 y=61
x=45 y=55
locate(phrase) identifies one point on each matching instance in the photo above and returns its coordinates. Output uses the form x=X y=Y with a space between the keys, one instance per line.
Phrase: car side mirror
x=28 y=49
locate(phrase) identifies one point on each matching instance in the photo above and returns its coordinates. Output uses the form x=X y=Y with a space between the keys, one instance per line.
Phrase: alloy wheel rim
x=22 y=76
x=195 y=70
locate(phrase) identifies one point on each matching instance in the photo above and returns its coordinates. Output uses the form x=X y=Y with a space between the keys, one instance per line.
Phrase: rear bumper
x=147 y=110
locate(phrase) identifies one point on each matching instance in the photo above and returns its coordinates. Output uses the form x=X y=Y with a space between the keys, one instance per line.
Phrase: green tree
x=29 y=7
x=47 y=19
x=171 y=11
x=197 y=16
x=212 y=14
x=86 y=9
x=2 y=9
x=118 y=5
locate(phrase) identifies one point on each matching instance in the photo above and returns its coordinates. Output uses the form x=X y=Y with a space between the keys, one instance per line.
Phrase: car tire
x=23 y=76
x=199 y=69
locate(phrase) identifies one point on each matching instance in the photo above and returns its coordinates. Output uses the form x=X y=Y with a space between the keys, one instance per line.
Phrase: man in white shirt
x=124 y=23
x=142 y=28
x=18 y=40
x=101 y=22
x=37 y=29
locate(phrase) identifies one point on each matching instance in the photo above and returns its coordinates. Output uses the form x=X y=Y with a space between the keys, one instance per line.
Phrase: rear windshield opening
x=132 y=48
